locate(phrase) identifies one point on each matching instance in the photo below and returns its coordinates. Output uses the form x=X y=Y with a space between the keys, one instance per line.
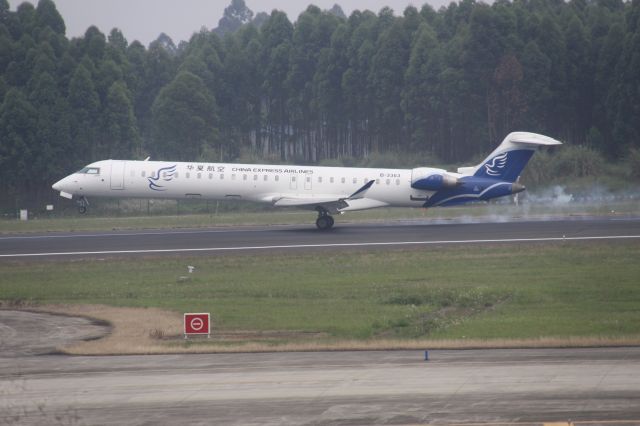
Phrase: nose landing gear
x=325 y=220
x=82 y=203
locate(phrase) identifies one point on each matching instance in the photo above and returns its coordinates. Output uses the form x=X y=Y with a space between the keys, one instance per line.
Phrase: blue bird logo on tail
x=165 y=174
x=494 y=168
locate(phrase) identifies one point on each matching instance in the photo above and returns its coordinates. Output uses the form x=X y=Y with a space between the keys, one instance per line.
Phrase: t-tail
x=497 y=175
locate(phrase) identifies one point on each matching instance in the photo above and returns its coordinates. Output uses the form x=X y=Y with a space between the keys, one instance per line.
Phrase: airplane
x=327 y=190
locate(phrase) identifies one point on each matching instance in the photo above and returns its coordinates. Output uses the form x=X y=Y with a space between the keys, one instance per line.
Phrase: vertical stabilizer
x=508 y=160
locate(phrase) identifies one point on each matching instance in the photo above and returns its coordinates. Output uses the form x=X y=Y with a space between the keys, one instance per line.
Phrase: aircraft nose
x=58 y=185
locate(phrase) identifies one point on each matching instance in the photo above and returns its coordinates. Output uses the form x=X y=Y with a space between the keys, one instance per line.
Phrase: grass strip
x=501 y=292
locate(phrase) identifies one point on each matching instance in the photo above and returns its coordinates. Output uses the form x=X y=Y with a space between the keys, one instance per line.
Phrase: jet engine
x=432 y=179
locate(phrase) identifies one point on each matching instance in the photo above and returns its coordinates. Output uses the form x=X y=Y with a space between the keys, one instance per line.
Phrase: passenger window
x=388 y=181
x=221 y=176
x=244 y=177
x=355 y=180
x=293 y=178
x=319 y=179
x=397 y=181
x=308 y=178
x=233 y=177
x=210 y=176
x=277 y=178
x=188 y=175
x=331 y=180
x=255 y=177
x=377 y=181
x=143 y=173
x=265 y=178
x=175 y=175
x=199 y=175
x=343 y=180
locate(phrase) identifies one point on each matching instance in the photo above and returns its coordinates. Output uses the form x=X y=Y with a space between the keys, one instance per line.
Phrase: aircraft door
x=293 y=184
x=117 y=175
x=307 y=182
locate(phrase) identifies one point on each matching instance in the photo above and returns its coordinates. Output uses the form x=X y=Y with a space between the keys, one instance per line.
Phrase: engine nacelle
x=432 y=180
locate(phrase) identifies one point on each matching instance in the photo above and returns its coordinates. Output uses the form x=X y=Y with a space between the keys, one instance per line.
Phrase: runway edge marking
x=331 y=245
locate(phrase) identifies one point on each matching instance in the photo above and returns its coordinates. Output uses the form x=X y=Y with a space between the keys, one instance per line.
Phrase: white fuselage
x=277 y=184
x=327 y=190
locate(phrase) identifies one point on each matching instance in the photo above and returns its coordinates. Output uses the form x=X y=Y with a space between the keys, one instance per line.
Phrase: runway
x=529 y=386
x=345 y=236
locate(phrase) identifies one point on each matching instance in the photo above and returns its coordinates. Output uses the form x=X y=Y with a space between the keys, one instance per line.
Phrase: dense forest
x=448 y=84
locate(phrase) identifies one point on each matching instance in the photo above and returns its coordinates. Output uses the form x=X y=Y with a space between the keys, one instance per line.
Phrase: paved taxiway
x=306 y=237
x=394 y=387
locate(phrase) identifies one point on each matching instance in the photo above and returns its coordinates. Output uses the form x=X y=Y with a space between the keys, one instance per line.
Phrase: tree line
x=449 y=84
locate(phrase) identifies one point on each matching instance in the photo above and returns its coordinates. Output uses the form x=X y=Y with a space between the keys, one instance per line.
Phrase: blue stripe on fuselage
x=471 y=188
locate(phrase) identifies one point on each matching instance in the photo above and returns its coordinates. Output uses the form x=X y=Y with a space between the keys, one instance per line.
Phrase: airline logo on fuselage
x=162 y=175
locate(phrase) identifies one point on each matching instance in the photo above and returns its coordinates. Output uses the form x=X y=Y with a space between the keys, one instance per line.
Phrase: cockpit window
x=90 y=170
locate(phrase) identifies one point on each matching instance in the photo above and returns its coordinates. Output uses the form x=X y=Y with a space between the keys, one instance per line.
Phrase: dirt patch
x=123 y=330
x=24 y=333
x=134 y=331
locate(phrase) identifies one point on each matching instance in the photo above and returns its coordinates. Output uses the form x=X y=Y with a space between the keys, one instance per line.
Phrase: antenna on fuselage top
x=146 y=159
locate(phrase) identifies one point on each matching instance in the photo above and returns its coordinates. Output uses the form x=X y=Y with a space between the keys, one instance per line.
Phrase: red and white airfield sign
x=197 y=324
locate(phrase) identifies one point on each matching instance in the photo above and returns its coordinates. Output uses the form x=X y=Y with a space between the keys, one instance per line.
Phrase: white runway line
x=330 y=245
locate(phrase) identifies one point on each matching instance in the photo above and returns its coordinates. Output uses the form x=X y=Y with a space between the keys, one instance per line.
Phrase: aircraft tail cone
x=517 y=187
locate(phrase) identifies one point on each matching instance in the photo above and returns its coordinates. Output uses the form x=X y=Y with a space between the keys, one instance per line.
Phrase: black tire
x=331 y=221
x=82 y=209
x=324 y=222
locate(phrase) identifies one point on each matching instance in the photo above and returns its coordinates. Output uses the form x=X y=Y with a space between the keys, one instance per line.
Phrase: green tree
x=18 y=120
x=120 y=131
x=48 y=15
x=419 y=94
x=53 y=133
x=235 y=15
x=536 y=86
x=84 y=103
x=386 y=79
x=184 y=119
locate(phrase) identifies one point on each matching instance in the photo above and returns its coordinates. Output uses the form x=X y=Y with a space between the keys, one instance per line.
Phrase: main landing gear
x=324 y=221
x=82 y=203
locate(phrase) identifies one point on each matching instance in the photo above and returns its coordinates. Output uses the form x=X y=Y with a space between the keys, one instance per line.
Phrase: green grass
x=94 y=222
x=495 y=292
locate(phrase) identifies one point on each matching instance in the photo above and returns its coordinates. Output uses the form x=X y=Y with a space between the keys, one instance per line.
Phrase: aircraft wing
x=302 y=200
x=330 y=202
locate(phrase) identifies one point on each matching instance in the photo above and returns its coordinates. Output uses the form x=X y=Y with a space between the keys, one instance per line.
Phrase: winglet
x=360 y=192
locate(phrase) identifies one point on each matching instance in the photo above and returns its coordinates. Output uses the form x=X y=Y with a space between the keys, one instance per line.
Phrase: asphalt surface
x=532 y=386
x=307 y=237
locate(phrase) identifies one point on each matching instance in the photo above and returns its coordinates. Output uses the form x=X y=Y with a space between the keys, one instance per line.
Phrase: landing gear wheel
x=324 y=222
x=83 y=203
